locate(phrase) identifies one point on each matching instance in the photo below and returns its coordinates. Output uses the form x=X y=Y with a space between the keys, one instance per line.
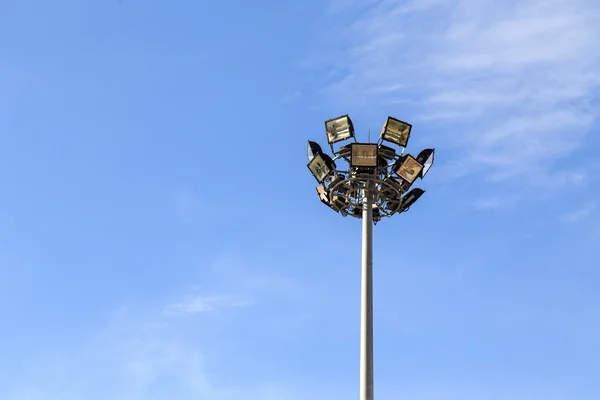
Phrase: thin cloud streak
x=579 y=214
x=510 y=84
x=201 y=304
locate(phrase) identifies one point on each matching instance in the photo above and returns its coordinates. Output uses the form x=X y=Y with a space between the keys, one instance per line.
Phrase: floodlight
x=382 y=163
x=321 y=166
x=404 y=186
x=322 y=193
x=339 y=128
x=388 y=191
x=396 y=131
x=410 y=198
x=392 y=205
x=387 y=152
x=376 y=213
x=363 y=155
x=312 y=150
x=338 y=203
x=407 y=168
x=344 y=151
x=357 y=211
x=425 y=158
x=335 y=180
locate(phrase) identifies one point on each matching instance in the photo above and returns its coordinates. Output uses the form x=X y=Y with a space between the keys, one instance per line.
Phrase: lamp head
x=312 y=150
x=396 y=131
x=410 y=198
x=338 y=129
x=321 y=167
x=364 y=156
x=407 y=168
x=425 y=158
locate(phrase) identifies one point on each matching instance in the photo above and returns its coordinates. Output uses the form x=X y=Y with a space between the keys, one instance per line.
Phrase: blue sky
x=160 y=237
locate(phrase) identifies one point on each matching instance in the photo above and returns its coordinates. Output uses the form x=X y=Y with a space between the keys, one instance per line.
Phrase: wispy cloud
x=508 y=83
x=488 y=203
x=202 y=304
x=579 y=214
x=138 y=356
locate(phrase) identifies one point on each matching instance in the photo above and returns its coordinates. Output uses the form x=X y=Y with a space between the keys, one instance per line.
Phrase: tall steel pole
x=367 y=185
x=366 y=308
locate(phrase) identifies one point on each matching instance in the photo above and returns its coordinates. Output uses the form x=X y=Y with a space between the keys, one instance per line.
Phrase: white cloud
x=508 y=84
x=488 y=203
x=577 y=215
x=202 y=304
x=136 y=357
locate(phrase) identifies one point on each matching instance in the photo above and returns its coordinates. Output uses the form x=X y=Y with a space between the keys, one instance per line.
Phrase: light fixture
x=335 y=180
x=321 y=166
x=357 y=212
x=407 y=168
x=410 y=198
x=392 y=184
x=392 y=205
x=322 y=193
x=404 y=186
x=312 y=150
x=338 y=129
x=425 y=158
x=363 y=155
x=386 y=152
x=345 y=151
x=396 y=131
x=376 y=213
x=382 y=163
x=338 y=203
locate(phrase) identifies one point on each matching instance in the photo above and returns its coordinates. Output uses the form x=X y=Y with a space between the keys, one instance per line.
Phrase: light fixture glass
x=425 y=158
x=410 y=198
x=321 y=167
x=312 y=150
x=363 y=155
x=338 y=129
x=396 y=131
x=407 y=168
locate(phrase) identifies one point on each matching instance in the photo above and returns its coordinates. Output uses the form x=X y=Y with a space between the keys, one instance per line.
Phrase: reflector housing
x=312 y=150
x=363 y=155
x=407 y=168
x=387 y=152
x=344 y=151
x=321 y=167
x=338 y=203
x=396 y=131
x=425 y=158
x=338 y=129
x=410 y=198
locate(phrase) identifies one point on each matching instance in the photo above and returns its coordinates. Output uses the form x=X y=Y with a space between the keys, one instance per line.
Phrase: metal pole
x=366 y=308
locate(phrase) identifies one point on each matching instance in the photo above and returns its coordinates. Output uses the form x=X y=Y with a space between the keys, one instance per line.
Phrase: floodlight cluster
x=374 y=167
